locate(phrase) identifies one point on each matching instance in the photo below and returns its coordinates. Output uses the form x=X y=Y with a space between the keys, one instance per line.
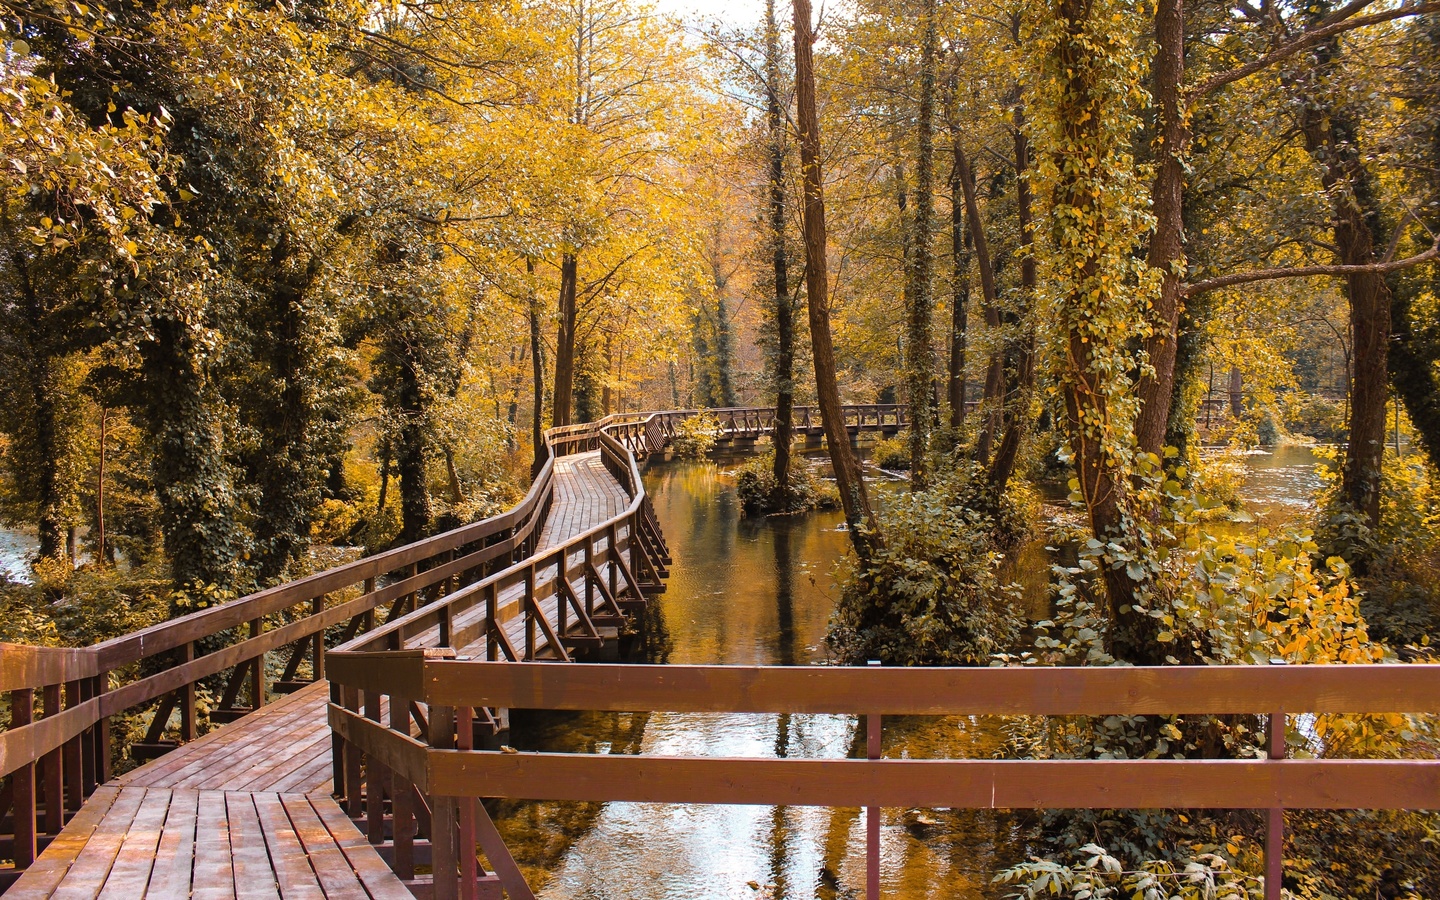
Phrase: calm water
x=747 y=592
x=16 y=548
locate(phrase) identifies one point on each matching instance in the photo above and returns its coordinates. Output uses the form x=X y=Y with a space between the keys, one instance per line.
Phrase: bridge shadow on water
x=744 y=592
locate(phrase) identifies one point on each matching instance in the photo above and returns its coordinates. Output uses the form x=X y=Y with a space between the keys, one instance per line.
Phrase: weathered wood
x=23 y=666
x=44 y=877
x=939 y=691
x=969 y=784
x=396 y=751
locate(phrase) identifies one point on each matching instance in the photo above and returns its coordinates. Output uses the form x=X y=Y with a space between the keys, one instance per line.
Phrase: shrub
x=892 y=453
x=696 y=435
x=1316 y=417
x=755 y=483
x=931 y=594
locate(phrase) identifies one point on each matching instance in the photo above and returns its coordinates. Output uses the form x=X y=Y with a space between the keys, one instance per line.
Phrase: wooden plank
x=92 y=866
x=130 y=873
x=332 y=869
x=293 y=872
x=968 y=784
x=937 y=691
x=255 y=877
x=398 y=752
x=380 y=883
x=214 y=864
x=302 y=752
x=25 y=666
x=42 y=878
x=175 y=853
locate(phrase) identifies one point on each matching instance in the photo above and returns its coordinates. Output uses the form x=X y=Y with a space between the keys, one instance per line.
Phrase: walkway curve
x=561 y=573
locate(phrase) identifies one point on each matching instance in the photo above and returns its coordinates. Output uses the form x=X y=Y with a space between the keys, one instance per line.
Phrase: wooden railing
x=57 y=745
x=56 y=748
x=431 y=756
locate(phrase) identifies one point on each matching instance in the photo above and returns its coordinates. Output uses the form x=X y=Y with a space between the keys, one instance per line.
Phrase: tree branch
x=1338 y=24
x=1381 y=268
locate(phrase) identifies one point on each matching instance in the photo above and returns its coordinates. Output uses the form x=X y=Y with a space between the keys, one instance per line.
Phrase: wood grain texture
x=970 y=784
x=937 y=691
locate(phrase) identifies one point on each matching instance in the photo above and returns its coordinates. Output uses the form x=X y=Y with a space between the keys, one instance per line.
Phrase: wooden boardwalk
x=246 y=811
x=243 y=812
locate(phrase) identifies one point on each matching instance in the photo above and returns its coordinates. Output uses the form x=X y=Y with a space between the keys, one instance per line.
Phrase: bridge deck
x=241 y=813
x=245 y=811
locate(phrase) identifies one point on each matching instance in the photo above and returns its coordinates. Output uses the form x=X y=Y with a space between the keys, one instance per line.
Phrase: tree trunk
x=565 y=342
x=1167 y=244
x=1237 y=392
x=1018 y=397
x=1080 y=107
x=995 y=370
x=103 y=553
x=784 y=361
x=537 y=370
x=959 y=285
x=919 y=349
x=1331 y=138
x=848 y=477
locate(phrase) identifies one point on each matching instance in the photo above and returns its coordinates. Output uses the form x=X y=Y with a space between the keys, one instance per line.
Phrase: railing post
x=354 y=787
x=187 y=697
x=444 y=830
x=402 y=814
x=102 y=732
x=561 y=567
x=492 y=646
x=531 y=611
x=257 y=675
x=54 y=788
x=1275 y=819
x=375 y=779
x=465 y=809
x=73 y=753
x=589 y=584
x=872 y=813
x=317 y=607
x=22 y=703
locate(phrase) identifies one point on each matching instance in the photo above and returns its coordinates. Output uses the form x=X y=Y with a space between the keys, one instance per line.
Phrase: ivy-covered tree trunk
x=919 y=350
x=783 y=361
x=193 y=481
x=1332 y=139
x=848 y=478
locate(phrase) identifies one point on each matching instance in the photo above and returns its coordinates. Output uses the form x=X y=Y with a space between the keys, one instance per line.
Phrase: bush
x=696 y=436
x=931 y=594
x=892 y=453
x=1316 y=417
x=755 y=483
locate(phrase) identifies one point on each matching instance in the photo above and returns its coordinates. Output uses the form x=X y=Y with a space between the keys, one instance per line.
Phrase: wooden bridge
x=362 y=765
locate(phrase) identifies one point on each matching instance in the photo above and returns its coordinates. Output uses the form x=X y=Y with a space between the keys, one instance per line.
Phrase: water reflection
x=745 y=592
x=1281 y=481
x=16 y=549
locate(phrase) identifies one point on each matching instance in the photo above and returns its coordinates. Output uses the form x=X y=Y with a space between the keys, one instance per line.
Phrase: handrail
x=454 y=774
x=77 y=696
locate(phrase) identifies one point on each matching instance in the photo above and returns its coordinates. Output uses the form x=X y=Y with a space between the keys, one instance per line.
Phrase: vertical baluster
x=492 y=644
x=354 y=784
x=54 y=783
x=1275 y=818
x=589 y=584
x=375 y=779
x=73 y=753
x=469 y=865
x=530 y=613
x=872 y=813
x=444 y=831
x=317 y=658
x=402 y=818
x=22 y=710
x=257 y=674
x=187 y=697
x=562 y=574
x=101 y=733
x=611 y=557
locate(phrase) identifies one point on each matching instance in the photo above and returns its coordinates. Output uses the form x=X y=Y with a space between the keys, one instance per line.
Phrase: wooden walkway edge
x=245 y=811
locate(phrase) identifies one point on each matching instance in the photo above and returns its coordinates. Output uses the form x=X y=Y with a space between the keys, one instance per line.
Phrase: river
x=745 y=592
